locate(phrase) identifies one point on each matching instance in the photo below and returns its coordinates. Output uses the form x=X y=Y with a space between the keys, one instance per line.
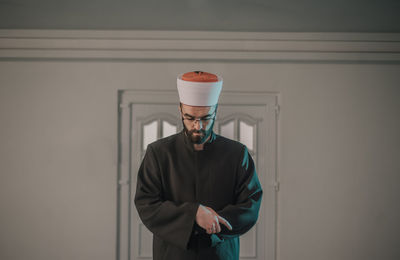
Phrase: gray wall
x=339 y=159
x=208 y=15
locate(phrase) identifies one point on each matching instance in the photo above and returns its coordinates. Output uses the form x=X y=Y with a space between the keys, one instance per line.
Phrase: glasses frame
x=204 y=120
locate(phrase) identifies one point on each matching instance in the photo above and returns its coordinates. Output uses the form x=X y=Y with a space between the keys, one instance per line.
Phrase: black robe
x=173 y=179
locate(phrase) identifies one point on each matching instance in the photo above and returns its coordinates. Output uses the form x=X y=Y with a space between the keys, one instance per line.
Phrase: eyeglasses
x=204 y=120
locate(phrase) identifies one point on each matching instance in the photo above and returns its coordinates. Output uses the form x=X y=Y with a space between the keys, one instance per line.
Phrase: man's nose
x=198 y=124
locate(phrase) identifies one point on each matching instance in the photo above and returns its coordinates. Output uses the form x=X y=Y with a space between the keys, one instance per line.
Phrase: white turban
x=199 y=88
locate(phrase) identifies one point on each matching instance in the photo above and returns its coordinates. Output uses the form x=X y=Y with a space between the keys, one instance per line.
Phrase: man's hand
x=208 y=219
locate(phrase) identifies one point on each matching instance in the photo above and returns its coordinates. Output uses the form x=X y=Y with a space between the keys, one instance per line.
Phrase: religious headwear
x=199 y=88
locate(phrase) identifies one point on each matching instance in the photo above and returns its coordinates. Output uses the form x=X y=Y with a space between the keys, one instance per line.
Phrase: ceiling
x=204 y=15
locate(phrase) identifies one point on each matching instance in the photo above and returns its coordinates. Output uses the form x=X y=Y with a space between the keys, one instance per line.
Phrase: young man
x=197 y=192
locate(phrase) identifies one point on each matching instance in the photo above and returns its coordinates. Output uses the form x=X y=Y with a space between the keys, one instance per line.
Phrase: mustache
x=201 y=131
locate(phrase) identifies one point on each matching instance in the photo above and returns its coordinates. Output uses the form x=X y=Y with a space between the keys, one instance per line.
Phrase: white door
x=143 y=122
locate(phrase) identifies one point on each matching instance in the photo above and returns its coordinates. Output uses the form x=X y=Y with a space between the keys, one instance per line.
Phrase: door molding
x=198 y=46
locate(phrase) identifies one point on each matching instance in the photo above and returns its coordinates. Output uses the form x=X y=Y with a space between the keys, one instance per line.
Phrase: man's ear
x=180 y=108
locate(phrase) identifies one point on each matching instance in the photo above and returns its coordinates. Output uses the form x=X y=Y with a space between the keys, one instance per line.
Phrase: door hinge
x=276 y=185
x=124 y=182
x=277 y=109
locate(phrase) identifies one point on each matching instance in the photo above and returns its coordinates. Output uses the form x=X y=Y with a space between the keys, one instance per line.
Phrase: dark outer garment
x=174 y=179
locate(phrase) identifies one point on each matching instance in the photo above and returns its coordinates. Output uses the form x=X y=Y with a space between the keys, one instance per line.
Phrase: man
x=197 y=192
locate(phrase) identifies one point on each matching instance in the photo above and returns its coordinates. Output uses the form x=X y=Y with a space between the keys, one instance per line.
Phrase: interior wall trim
x=199 y=46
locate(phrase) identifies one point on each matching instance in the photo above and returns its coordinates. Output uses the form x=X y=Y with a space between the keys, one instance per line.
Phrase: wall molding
x=199 y=46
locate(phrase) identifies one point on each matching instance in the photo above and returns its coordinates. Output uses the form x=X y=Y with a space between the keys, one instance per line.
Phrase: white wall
x=339 y=154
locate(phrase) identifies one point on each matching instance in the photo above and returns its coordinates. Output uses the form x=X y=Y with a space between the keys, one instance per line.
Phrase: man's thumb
x=225 y=222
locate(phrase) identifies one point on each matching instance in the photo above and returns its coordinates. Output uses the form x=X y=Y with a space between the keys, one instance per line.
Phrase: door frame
x=125 y=205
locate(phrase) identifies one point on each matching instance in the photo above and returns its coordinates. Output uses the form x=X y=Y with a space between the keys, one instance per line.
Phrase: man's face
x=198 y=130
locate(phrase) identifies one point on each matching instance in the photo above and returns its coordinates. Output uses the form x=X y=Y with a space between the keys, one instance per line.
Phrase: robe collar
x=189 y=144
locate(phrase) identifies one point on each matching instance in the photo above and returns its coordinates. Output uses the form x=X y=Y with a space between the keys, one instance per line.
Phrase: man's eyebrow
x=186 y=114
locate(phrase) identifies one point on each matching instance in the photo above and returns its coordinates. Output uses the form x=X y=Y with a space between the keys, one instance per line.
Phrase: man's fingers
x=213 y=228
x=225 y=222
x=218 y=229
x=221 y=219
x=216 y=225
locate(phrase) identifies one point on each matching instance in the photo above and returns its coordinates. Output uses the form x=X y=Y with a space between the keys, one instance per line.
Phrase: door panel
x=151 y=122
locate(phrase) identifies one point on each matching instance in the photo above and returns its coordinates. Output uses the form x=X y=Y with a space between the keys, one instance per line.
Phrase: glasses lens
x=203 y=120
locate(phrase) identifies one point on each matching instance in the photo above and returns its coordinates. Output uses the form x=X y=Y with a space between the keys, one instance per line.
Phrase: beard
x=198 y=136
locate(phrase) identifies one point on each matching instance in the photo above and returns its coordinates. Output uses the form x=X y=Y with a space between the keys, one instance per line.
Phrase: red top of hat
x=199 y=76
